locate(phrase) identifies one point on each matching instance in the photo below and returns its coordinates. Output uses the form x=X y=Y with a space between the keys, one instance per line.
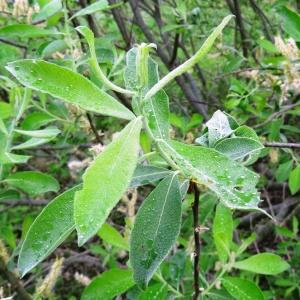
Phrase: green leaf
x=36 y=120
x=218 y=127
x=48 y=231
x=283 y=171
x=263 y=263
x=112 y=236
x=25 y=31
x=11 y=158
x=66 y=85
x=156 y=291
x=52 y=47
x=294 y=180
x=33 y=142
x=33 y=183
x=242 y=289
x=105 y=180
x=246 y=131
x=145 y=174
x=202 y=140
x=156 y=109
x=108 y=285
x=291 y=21
x=155 y=230
x=94 y=7
x=223 y=231
x=48 y=132
x=3 y=127
x=48 y=10
x=239 y=148
x=233 y=183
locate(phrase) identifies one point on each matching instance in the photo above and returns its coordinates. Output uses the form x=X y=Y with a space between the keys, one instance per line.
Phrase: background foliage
x=252 y=73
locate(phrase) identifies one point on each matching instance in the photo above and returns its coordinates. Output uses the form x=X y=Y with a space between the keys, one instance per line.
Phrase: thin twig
x=195 y=208
x=281 y=145
x=277 y=114
x=13 y=43
x=94 y=129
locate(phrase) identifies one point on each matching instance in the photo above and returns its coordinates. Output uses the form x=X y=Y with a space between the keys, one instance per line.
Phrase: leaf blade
x=149 y=245
x=108 y=285
x=95 y=201
x=33 y=183
x=242 y=289
x=68 y=86
x=58 y=215
x=263 y=263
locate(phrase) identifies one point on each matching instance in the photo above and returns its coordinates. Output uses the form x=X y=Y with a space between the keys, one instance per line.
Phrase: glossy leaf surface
x=238 y=148
x=48 y=231
x=108 y=285
x=263 y=263
x=233 y=183
x=105 y=180
x=156 y=228
x=33 y=183
x=66 y=85
x=242 y=289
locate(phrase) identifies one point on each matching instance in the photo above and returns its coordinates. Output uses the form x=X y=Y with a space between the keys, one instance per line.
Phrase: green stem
x=171 y=288
x=190 y=62
x=221 y=274
x=101 y=76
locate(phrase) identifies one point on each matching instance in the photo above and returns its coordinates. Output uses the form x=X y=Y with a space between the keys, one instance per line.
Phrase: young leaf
x=218 y=127
x=263 y=263
x=156 y=109
x=238 y=148
x=155 y=230
x=294 y=180
x=145 y=174
x=33 y=183
x=223 y=231
x=48 y=231
x=105 y=180
x=112 y=236
x=233 y=183
x=66 y=85
x=242 y=289
x=25 y=31
x=108 y=285
x=156 y=291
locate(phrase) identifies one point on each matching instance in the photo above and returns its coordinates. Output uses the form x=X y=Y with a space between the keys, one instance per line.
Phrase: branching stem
x=195 y=208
